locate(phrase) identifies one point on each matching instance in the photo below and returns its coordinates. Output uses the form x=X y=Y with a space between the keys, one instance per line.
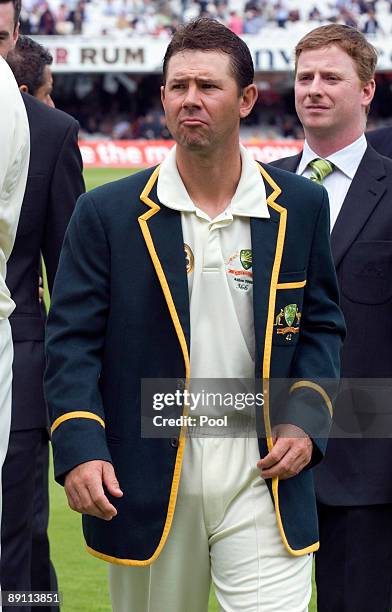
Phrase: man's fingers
x=285 y=468
x=110 y=481
x=291 y=463
x=275 y=455
x=85 y=492
x=99 y=503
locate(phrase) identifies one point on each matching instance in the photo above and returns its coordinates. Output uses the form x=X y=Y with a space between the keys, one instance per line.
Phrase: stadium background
x=107 y=59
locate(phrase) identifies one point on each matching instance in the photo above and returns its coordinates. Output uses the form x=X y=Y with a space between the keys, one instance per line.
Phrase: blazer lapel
x=362 y=197
x=162 y=232
x=267 y=246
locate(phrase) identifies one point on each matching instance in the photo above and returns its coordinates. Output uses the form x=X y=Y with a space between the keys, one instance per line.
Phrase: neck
x=325 y=146
x=210 y=179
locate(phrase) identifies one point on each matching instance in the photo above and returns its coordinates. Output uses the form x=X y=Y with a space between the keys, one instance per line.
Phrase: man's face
x=201 y=100
x=329 y=96
x=44 y=92
x=8 y=31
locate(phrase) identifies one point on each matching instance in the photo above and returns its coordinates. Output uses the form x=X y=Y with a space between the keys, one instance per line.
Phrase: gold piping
x=268 y=349
x=155 y=208
x=77 y=414
x=298 y=285
x=311 y=385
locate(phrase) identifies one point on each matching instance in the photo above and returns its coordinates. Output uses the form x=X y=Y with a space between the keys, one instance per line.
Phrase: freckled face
x=329 y=96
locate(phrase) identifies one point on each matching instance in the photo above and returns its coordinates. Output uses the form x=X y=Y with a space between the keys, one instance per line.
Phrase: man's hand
x=291 y=452
x=84 y=488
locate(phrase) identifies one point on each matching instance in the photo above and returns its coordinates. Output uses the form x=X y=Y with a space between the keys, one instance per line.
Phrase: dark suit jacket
x=120 y=313
x=356 y=472
x=381 y=140
x=54 y=183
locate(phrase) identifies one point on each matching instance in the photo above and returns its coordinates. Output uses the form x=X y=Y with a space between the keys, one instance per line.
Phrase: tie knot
x=321 y=168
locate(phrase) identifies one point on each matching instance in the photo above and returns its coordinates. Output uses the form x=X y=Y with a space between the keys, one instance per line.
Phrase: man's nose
x=315 y=86
x=192 y=97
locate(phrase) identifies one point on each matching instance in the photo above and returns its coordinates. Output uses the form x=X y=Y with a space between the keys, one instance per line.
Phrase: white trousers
x=224 y=528
x=6 y=357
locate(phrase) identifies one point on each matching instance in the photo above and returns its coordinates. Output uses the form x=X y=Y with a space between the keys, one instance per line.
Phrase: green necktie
x=321 y=168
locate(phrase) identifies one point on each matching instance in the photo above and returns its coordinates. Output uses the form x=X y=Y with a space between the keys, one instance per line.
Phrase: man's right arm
x=74 y=343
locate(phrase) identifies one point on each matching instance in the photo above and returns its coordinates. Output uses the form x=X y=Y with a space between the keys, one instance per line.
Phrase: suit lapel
x=362 y=197
x=288 y=163
x=268 y=237
x=162 y=232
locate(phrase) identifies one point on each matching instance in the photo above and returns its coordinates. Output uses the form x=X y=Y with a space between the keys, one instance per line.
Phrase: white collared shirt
x=219 y=266
x=14 y=162
x=337 y=184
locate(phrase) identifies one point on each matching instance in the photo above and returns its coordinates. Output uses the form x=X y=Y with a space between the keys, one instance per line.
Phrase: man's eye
x=178 y=86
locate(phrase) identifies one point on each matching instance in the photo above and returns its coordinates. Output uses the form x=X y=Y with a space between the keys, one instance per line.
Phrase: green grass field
x=82 y=578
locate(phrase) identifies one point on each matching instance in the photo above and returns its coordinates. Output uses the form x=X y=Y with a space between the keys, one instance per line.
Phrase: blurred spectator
x=47 y=23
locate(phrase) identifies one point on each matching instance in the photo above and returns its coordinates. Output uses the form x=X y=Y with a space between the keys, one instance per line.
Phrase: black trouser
x=25 y=563
x=354 y=563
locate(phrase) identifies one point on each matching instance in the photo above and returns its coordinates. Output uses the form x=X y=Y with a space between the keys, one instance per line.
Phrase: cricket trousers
x=224 y=529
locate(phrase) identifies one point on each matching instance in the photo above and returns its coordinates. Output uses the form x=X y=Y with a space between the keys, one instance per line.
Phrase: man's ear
x=23 y=88
x=15 y=35
x=248 y=100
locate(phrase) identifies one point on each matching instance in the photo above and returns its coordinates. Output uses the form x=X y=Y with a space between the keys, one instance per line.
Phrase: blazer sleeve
x=75 y=340
x=66 y=186
x=316 y=367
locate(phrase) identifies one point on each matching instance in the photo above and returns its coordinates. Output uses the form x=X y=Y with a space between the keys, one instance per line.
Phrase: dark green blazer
x=120 y=313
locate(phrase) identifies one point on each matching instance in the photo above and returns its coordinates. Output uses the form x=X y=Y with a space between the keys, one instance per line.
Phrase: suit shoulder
x=288 y=180
x=42 y=114
x=117 y=195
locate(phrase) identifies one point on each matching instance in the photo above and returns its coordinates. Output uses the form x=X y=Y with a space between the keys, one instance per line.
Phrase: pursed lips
x=192 y=121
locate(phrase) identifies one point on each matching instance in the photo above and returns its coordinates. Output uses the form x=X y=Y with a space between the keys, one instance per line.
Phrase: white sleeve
x=14 y=162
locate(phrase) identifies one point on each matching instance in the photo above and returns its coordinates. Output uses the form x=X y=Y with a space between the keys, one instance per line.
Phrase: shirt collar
x=346 y=160
x=249 y=199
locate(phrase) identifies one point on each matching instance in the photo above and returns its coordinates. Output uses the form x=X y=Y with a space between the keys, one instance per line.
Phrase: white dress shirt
x=14 y=163
x=346 y=162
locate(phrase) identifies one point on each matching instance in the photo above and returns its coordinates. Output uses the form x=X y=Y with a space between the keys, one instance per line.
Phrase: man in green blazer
x=208 y=266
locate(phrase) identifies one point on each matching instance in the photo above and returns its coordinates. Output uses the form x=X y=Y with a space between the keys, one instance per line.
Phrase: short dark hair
x=206 y=34
x=17 y=4
x=27 y=61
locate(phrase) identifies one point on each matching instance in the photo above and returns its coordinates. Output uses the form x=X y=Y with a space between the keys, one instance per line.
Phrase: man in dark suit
x=381 y=140
x=53 y=185
x=334 y=86
x=196 y=269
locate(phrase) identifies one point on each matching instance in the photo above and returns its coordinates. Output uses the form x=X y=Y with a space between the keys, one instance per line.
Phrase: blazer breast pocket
x=367 y=272
x=288 y=308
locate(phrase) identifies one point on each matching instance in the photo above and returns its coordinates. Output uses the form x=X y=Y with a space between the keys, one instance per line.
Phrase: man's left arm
x=300 y=438
x=66 y=186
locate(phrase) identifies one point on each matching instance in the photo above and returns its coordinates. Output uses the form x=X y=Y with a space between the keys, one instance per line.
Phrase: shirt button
x=174 y=442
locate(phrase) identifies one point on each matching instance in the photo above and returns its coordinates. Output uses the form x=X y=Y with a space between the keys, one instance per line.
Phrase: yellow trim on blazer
x=154 y=208
x=77 y=414
x=311 y=385
x=298 y=285
x=268 y=350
